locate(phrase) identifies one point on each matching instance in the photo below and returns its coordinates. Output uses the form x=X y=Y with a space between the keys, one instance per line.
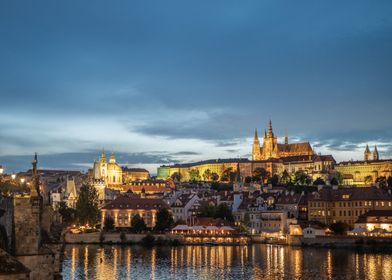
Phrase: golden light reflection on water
x=222 y=262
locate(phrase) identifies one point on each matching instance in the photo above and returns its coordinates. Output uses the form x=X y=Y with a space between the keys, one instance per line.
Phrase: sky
x=160 y=82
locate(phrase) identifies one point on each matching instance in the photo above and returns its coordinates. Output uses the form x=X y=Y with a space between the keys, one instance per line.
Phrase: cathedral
x=272 y=149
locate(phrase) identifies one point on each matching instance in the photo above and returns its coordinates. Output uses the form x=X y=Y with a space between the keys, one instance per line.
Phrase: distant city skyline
x=162 y=83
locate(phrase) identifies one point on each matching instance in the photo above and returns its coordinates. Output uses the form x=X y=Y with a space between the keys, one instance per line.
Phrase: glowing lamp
x=13 y=176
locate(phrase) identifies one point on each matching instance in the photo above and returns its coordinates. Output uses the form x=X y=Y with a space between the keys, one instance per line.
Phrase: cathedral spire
x=376 y=156
x=286 y=138
x=256 y=136
x=367 y=154
x=270 y=131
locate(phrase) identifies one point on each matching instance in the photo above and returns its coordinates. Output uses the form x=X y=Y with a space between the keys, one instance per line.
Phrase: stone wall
x=41 y=266
x=112 y=237
x=6 y=204
x=26 y=223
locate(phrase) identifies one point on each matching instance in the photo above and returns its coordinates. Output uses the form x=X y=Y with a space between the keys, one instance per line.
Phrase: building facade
x=331 y=205
x=365 y=172
x=124 y=207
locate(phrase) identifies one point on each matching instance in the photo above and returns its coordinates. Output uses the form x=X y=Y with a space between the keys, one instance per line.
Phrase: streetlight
x=1 y=170
x=13 y=176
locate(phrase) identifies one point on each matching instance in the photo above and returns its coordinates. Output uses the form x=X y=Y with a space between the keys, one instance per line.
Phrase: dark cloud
x=186 y=153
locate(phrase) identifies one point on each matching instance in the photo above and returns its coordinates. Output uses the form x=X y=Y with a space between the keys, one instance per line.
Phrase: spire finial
x=256 y=137
x=270 y=131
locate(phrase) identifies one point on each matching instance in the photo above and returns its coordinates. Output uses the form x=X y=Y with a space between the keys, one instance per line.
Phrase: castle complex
x=271 y=156
x=272 y=149
x=366 y=171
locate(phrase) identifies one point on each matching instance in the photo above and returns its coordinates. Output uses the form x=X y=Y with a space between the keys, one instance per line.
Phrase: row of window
x=351 y=204
x=342 y=213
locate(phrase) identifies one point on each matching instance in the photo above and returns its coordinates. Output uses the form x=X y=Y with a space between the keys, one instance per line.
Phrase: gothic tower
x=256 y=153
x=270 y=145
x=376 y=156
x=367 y=154
x=286 y=138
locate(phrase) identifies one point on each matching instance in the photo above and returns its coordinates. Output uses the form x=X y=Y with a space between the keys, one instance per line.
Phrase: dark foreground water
x=222 y=262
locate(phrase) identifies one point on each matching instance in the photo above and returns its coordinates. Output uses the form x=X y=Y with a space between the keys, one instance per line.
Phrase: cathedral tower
x=256 y=153
x=376 y=156
x=367 y=154
x=270 y=145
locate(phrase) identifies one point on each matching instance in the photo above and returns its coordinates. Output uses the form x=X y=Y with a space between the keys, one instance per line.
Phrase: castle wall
x=6 y=203
x=27 y=235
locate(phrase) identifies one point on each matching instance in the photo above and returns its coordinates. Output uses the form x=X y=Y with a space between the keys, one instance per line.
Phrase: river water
x=260 y=261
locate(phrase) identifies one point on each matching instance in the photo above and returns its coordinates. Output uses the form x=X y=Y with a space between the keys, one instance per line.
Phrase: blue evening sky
x=167 y=81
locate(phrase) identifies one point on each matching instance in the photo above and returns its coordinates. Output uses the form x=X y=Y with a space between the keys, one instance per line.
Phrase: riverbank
x=119 y=238
x=171 y=239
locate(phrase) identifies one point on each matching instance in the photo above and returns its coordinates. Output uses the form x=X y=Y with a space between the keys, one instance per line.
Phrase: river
x=259 y=261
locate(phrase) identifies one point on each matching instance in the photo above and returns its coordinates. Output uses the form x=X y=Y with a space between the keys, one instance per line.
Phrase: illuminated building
x=272 y=149
x=365 y=172
x=135 y=174
x=375 y=222
x=124 y=207
x=149 y=187
x=331 y=205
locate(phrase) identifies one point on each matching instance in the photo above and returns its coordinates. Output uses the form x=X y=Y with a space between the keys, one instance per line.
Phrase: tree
x=368 y=180
x=207 y=175
x=274 y=180
x=389 y=182
x=228 y=175
x=108 y=223
x=260 y=174
x=194 y=175
x=87 y=210
x=148 y=240
x=301 y=178
x=319 y=181
x=138 y=224
x=285 y=179
x=223 y=211
x=339 y=228
x=206 y=211
x=176 y=176
x=334 y=181
x=214 y=177
x=382 y=182
x=164 y=220
x=67 y=213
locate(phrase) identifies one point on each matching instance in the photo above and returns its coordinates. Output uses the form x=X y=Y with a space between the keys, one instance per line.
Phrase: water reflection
x=222 y=262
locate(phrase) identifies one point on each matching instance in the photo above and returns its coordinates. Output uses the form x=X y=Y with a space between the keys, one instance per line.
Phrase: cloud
x=82 y=161
x=186 y=153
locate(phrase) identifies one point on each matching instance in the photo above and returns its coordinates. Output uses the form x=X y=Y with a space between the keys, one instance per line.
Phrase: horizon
x=184 y=82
